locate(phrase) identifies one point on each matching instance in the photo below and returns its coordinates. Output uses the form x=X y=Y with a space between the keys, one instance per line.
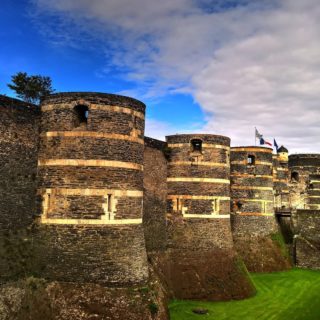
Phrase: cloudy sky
x=214 y=66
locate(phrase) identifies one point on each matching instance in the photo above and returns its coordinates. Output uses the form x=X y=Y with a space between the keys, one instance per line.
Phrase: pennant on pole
x=275 y=144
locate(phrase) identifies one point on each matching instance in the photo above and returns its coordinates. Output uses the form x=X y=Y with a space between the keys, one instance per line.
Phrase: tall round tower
x=199 y=239
x=254 y=227
x=91 y=186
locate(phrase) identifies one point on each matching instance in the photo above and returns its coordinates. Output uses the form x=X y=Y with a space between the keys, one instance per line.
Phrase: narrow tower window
x=82 y=113
x=295 y=176
x=196 y=145
x=251 y=160
x=109 y=203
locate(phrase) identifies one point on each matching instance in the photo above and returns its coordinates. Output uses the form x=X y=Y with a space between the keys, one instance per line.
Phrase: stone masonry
x=106 y=205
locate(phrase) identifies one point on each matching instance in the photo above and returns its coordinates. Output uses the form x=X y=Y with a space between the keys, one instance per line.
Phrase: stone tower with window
x=199 y=243
x=90 y=183
x=254 y=227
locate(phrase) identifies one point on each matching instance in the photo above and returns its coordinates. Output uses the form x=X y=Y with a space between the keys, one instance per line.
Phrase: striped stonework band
x=256 y=214
x=49 y=194
x=92 y=192
x=244 y=162
x=204 y=145
x=203 y=216
x=253 y=200
x=125 y=110
x=251 y=188
x=251 y=150
x=199 y=163
x=90 y=221
x=252 y=176
x=189 y=197
x=189 y=179
x=91 y=134
x=90 y=163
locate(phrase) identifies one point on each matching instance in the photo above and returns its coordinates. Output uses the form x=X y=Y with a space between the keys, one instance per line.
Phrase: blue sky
x=220 y=67
x=79 y=69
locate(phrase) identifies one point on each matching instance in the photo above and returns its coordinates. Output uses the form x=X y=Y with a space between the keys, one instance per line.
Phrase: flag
x=258 y=135
x=262 y=142
x=275 y=144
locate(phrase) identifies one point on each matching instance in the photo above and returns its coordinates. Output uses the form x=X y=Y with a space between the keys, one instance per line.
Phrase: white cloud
x=255 y=64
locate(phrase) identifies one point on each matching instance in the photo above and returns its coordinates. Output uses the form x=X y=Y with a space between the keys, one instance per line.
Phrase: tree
x=31 y=88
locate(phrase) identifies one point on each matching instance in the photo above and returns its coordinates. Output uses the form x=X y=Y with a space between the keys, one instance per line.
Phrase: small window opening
x=295 y=176
x=82 y=113
x=239 y=204
x=251 y=160
x=109 y=203
x=196 y=145
x=311 y=186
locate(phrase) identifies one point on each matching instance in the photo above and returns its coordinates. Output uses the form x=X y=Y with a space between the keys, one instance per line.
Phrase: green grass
x=290 y=295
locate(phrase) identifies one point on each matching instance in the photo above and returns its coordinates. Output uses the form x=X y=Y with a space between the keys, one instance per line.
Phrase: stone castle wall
x=91 y=184
x=107 y=196
x=155 y=194
x=19 y=134
x=19 y=138
x=307 y=238
x=304 y=182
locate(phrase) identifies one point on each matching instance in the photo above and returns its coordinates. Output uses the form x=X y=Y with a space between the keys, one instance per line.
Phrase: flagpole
x=255 y=136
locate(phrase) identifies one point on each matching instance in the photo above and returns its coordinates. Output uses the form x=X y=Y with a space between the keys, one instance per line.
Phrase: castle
x=108 y=202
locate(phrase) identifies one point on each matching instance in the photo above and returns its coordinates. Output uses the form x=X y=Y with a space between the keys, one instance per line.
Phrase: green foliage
x=290 y=295
x=279 y=240
x=144 y=290
x=31 y=88
x=154 y=308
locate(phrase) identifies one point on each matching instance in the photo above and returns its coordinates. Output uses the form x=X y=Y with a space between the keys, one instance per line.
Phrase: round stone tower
x=91 y=187
x=199 y=176
x=304 y=181
x=254 y=226
x=200 y=245
x=252 y=181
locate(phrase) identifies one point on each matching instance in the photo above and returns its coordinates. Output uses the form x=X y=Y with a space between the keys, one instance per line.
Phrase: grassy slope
x=292 y=295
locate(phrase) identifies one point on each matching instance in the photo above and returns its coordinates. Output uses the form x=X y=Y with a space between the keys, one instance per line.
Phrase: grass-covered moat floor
x=290 y=295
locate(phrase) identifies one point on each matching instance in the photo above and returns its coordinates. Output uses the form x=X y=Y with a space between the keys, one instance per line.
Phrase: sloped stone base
x=35 y=299
x=214 y=275
x=263 y=254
